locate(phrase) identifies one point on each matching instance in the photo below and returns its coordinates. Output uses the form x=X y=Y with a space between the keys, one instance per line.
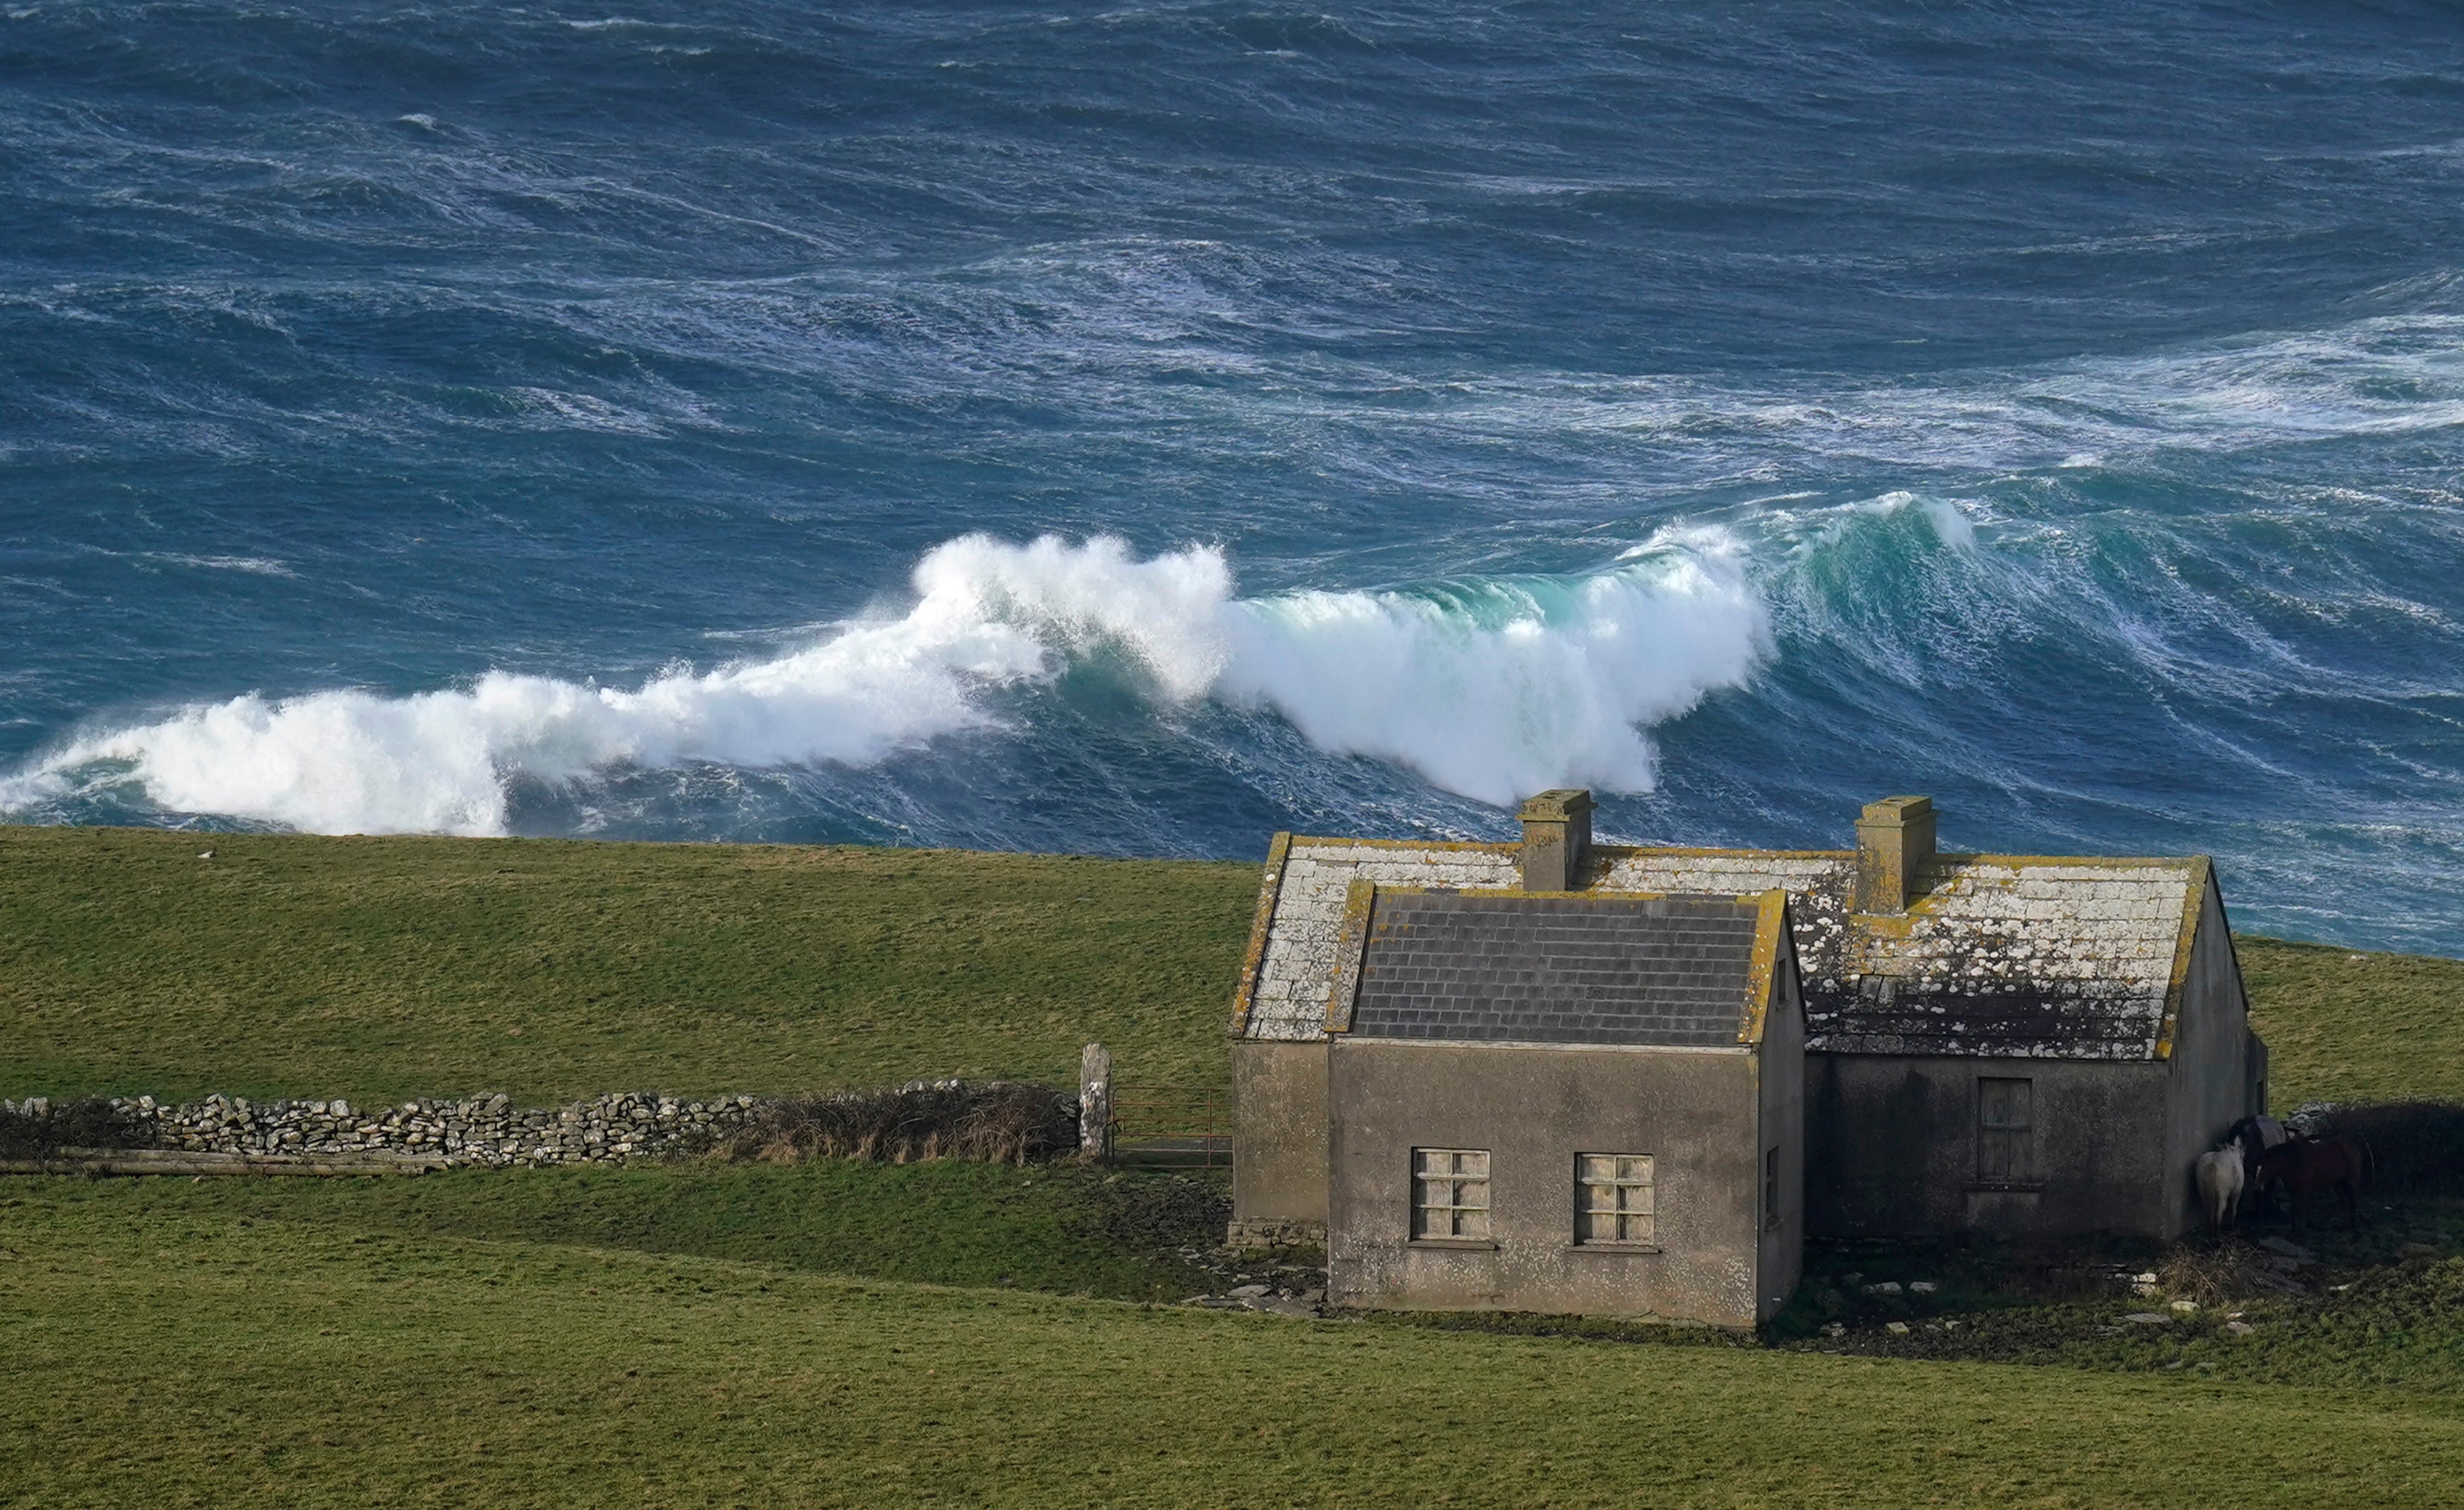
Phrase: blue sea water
x=1138 y=429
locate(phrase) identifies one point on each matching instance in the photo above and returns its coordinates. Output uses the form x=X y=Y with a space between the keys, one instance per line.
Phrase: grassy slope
x=688 y=1334
x=166 y=1355
x=383 y=968
x=2341 y=1026
x=1065 y=1228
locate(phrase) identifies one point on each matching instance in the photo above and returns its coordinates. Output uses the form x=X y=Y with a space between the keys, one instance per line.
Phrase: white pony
x=2220 y=1177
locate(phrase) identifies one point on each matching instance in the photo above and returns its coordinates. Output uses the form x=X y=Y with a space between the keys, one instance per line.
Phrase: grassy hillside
x=701 y=1333
x=1066 y=1228
x=383 y=968
x=2348 y=1026
x=166 y=1352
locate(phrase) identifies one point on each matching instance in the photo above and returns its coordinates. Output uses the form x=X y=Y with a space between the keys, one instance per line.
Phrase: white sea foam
x=1501 y=688
x=256 y=565
x=1490 y=689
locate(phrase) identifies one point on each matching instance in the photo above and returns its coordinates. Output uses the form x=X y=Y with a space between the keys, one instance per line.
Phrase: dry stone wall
x=481 y=1130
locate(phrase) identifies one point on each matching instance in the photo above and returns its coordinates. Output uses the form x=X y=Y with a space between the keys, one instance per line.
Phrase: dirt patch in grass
x=2380 y=1304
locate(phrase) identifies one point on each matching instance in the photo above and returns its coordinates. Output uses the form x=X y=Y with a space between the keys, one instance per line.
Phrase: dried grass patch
x=88 y=1122
x=2227 y=1273
x=997 y=1122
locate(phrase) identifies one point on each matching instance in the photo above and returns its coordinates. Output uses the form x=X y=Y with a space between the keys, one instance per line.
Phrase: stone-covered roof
x=1996 y=955
x=1490 y=967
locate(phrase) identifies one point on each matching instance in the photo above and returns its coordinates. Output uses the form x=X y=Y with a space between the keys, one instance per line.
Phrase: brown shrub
x=997 y=1122
x=2219 y=1276
x=2417 y=1145
x=88 y=1122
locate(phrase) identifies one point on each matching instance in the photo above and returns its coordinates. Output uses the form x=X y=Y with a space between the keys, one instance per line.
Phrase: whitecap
x=1490 y=688
x=256 y=565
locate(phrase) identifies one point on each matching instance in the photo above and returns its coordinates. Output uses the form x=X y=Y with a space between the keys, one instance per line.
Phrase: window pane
x=1449 y=1193
x=1612 y=1198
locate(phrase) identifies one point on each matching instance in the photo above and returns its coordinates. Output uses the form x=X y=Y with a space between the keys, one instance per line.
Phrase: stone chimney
x=1556 y=836
x=1894 y=837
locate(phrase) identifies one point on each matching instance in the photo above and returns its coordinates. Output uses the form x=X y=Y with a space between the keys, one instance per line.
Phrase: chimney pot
x=1894 y=837
x=1556 y=837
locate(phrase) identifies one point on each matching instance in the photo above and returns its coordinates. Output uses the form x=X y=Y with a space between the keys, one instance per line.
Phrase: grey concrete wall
x=2212 y=1071
x=1278 y=1142
x=1780 y=1074
x=1891 y=1148
x=1697 y=1112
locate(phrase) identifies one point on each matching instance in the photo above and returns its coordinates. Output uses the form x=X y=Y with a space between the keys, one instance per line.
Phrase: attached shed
x=1994 y=1043
x=1565 y=1102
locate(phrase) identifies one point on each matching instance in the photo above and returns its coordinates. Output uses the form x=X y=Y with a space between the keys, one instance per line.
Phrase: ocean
x=1135 y=429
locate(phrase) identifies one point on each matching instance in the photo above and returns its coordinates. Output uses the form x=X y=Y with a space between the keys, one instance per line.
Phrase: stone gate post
x=1094 y=1102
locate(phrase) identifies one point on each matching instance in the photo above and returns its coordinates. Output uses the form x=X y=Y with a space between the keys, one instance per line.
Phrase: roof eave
x=2194 y=905
x=1271 y=891
x=1762 y=976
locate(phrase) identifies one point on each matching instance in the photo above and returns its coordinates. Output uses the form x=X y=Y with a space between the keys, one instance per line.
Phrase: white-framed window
x=2006 y=1129
x=1612 y=1198
x=1449 y=1193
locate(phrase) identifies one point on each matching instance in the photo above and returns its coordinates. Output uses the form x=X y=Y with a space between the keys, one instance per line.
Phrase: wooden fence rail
x=1184 y=1126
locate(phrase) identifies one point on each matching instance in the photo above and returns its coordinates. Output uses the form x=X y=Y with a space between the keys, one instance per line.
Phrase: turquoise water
x=1139 y=430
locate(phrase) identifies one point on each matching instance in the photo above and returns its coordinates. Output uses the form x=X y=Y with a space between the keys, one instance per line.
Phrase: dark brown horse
x=2306 y=1169
x=2255 y=1135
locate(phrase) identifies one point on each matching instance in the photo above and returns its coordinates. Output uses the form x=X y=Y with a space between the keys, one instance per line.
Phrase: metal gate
x=1171 y=1124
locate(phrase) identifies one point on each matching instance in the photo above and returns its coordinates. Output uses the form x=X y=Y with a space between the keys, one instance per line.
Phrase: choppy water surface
x=1142 y=428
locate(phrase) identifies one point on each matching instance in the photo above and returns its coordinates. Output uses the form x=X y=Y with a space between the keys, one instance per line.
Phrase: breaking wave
x=1491 y=688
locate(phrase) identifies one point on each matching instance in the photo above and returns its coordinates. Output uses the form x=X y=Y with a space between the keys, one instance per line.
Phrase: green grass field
x=379 y=969
x=383 y=968
x=166 y=1351
x=2342 y=1025
x=831 y=1333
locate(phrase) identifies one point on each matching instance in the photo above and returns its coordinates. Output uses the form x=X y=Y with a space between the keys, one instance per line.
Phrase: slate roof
x=1999 y=955
x=1489 y=968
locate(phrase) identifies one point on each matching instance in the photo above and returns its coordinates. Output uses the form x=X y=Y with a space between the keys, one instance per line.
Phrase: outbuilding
x=1997 y=1043
x=1555 y=1101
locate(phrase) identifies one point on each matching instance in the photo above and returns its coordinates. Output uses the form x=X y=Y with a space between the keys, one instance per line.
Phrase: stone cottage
x=1547 y=1101
x=1999 y=1043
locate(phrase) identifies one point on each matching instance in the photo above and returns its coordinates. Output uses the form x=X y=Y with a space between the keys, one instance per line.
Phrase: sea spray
x=1500 y=688
x=1489 y=689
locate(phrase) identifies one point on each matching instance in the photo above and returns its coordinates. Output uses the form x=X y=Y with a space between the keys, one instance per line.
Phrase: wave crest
x=1491 y=688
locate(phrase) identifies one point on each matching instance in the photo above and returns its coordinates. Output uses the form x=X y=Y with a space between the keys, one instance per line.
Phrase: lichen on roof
x=2027 y=956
